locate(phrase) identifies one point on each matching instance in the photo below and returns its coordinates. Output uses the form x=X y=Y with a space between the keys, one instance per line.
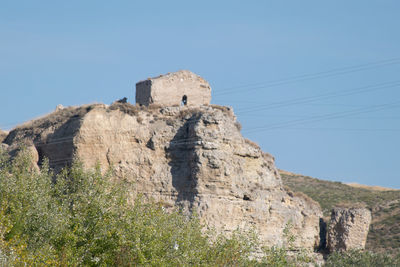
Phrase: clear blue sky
x=77 y=52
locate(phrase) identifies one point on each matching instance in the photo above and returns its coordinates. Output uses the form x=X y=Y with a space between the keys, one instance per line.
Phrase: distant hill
x=371 y=187
x=384 y=234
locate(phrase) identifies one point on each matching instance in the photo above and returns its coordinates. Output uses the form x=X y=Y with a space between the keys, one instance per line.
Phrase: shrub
x=126 y=108
x=251 y=143
x=155 y=107
x=85 y=218
x=190 y=112
x=225 y=109
x=361 y=258
x=286 y=255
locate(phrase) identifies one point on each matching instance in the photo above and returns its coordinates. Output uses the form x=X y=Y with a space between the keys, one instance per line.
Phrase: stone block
x=348 y=229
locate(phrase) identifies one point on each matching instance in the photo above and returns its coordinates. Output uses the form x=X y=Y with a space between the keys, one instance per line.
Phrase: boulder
x=348 y=229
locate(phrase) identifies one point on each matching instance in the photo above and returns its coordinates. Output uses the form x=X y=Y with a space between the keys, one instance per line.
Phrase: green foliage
x=361 y=258
x=85 y=218
x=287 y=255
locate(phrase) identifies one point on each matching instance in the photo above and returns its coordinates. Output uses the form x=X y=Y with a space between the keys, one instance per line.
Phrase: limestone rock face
x=189 y=157
x=348 y=229
x=181 y=87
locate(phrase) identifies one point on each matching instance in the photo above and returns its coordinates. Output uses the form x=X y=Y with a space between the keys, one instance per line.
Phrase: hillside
x=384 y=234
x=189 y=157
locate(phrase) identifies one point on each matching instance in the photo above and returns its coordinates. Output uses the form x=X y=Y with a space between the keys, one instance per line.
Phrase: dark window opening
x=246 y=197
x=184 y=100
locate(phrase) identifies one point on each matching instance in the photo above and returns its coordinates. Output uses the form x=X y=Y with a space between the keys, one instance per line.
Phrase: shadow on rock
x=183 y=162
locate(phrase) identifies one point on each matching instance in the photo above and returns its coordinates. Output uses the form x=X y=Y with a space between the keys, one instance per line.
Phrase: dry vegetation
x=59 y=116
x=225 y=109
x=301 y=195
x=251 y=143
x=33 y=128
x=155 y=109
x=185 y=113
x=370 y=187
x=126 y=108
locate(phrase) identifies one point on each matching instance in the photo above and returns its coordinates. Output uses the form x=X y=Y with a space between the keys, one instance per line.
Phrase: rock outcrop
x=348 y=229
x=189 y=157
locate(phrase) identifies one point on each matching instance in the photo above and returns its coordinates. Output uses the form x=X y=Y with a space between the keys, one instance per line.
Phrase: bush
x=287 y=255
x=85 y=218
x=361 y=258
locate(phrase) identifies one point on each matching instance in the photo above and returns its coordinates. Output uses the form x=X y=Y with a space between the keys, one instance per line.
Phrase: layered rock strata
x=189 y=157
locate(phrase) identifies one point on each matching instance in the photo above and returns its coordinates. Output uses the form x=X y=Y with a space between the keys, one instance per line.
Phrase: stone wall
x=170 y=89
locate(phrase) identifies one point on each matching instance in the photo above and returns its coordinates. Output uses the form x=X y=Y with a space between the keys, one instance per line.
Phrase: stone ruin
x=181 y=88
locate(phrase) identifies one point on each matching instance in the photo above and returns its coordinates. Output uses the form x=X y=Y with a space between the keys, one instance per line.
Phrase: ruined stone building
x=177 y=88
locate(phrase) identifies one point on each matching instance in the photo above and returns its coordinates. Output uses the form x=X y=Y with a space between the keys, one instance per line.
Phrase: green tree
x=82 y=217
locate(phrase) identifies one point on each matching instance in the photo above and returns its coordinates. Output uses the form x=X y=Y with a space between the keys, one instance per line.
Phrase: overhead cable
x=305 y=77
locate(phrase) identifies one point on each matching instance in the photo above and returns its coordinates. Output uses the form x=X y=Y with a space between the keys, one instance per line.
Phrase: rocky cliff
x=189 y=157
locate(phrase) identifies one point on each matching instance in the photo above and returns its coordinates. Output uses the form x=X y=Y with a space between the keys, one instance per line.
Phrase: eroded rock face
x=348 y=229
x=189 y=157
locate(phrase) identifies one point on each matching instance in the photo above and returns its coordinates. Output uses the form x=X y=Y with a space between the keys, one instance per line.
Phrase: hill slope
x=384 y=234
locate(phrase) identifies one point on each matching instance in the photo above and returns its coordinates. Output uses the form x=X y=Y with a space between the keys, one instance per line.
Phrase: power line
x=347 y=129
x=310 y=76
x=328 y=73
x=304 y=100
x=257 y=104
x=324 y=117
x=311 y=116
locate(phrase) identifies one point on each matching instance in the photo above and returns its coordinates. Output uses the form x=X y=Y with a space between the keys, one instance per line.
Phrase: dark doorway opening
x=184 y=100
